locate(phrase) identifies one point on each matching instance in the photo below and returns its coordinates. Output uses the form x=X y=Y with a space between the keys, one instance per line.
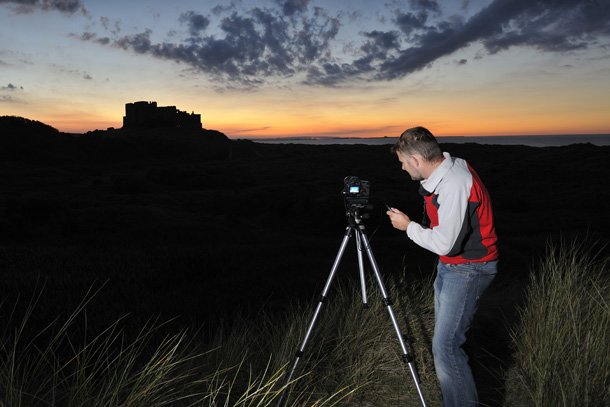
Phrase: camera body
x=356 y=192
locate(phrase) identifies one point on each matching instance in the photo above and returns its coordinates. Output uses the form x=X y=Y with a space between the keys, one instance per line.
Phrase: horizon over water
x=531 y=141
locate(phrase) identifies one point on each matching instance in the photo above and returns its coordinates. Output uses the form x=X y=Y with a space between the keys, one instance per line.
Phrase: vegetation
x=561 y=348
x=353 y=357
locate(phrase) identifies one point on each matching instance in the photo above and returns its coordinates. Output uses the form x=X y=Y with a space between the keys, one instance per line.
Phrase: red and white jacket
x=459 y=208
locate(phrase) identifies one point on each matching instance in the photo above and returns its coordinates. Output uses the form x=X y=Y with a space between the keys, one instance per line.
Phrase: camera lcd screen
x=354 y=189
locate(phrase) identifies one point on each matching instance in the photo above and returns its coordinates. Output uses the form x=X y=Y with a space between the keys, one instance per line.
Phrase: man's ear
x=417 y=160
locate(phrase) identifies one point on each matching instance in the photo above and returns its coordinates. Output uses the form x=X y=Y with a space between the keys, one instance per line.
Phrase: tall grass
x=357 y=348
x=57 y=365
x=353 y=359
x=562 y=347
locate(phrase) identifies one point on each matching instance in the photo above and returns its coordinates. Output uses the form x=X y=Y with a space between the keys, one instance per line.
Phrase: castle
x=148 y=115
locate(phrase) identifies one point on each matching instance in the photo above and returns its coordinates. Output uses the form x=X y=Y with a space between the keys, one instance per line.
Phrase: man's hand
x=399 y=220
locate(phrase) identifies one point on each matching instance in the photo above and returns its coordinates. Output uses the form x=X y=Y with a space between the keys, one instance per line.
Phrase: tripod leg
x=331 y=276
x=388 y=303
x=361 y=267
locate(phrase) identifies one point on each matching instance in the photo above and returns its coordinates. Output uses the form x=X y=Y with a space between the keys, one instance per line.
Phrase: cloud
x=92 y=37
x=256 y=129
x=10 y=87
x=113 y=27
x=426 y=6
x=11 y=90
x=246 y=48
x=9 y=99
x=291 y=7
x=547 y=25
x=196 y=22
x=562 y=26
x=295 y=38
x=63 y=6
x=409 y=22
x=72 y=72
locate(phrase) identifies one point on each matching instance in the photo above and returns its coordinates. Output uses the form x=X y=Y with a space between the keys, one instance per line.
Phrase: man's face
x=410 y=165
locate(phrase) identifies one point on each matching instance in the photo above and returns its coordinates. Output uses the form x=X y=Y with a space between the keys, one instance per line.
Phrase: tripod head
x=354 y=217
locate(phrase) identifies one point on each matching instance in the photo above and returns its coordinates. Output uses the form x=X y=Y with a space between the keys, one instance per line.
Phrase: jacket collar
x=430 y=184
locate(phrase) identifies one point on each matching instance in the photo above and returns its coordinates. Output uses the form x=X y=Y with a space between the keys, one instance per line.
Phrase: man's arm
x=453 y=205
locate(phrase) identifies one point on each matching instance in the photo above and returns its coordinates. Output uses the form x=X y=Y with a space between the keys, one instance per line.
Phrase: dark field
x=199 y=227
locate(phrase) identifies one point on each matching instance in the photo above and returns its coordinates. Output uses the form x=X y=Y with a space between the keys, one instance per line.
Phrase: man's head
x=418 y=151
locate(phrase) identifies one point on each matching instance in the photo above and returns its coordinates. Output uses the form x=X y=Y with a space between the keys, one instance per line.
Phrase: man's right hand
x=399 y=220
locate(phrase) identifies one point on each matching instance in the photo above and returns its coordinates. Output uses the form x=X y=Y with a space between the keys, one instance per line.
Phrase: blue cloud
x=296 y=38
x=63 y=6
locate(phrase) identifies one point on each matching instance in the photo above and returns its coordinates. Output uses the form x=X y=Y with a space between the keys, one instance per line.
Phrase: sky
x=276 y=68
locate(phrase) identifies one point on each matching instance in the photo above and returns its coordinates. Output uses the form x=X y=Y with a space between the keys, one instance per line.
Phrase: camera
x=355 y=192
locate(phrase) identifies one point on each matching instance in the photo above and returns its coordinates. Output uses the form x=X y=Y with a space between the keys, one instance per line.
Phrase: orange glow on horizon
x=442 y=118
x=74 y=125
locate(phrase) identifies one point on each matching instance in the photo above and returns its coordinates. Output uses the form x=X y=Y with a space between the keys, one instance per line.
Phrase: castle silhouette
x=148 y=115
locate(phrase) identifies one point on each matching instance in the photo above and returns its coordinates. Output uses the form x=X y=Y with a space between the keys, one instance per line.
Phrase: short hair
x=418 y=140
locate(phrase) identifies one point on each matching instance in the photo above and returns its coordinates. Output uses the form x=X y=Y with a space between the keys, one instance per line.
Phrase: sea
x=532 y=141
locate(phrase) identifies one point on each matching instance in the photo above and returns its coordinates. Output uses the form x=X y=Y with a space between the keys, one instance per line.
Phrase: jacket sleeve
x=453 y=205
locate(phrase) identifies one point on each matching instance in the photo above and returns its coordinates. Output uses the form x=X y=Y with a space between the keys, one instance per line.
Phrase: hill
x=15 y=125
x=29 y=140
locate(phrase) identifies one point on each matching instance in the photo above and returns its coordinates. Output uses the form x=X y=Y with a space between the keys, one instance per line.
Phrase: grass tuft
x=561 y=348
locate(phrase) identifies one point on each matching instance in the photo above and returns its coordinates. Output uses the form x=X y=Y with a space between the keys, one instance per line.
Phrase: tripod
x=356 y=228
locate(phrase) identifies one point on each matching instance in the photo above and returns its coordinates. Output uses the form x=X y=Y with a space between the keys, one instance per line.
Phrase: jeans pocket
x=465 y=269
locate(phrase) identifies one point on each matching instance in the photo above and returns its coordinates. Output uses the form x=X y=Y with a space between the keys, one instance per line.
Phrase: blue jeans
x=457 y=289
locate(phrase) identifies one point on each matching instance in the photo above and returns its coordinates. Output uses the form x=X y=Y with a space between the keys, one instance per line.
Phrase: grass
x=561 y=347
x=352 y=358
x=356 y=347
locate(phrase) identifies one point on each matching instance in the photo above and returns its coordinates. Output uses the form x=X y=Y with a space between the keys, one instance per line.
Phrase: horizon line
x=395 y=137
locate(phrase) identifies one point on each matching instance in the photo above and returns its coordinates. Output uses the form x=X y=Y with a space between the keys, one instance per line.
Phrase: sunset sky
x=357 y=68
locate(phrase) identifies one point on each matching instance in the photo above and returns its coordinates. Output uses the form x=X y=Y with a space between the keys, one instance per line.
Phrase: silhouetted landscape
x=186 y=223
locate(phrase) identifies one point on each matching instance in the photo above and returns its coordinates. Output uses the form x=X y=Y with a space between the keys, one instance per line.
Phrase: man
x=462 y=233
